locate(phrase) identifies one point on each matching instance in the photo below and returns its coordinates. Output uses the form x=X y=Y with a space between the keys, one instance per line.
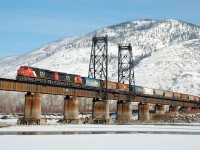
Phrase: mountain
x=176 y=68
x=166 y=54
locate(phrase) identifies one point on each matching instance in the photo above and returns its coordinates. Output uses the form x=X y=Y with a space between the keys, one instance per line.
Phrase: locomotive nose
x=20 y=72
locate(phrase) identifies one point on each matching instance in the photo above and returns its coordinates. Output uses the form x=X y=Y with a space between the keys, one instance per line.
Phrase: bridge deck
x=14 y=85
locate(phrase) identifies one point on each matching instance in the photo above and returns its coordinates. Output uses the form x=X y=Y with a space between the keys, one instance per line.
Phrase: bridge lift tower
x=98 y=68
x=126 y=69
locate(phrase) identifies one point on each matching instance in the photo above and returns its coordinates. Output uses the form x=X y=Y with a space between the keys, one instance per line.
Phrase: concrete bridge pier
x=28 y=105
x=173 y=109
x=71 y=110
x=36 y=106
x=32 y=110
x=186 y=110
x=159 y=109
x=143 y=111
x=100 y=111
x=124 y=112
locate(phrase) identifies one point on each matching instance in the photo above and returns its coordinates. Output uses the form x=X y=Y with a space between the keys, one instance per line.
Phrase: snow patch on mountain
x=175 y=68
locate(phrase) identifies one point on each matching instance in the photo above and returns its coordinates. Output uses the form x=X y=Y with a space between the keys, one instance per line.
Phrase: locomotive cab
x=25 y=71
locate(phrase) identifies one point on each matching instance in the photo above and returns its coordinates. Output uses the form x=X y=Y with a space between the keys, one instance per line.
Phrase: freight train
x=37 y=75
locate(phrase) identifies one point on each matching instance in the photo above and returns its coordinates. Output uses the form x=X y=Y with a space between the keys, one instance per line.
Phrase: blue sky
x=26 y=25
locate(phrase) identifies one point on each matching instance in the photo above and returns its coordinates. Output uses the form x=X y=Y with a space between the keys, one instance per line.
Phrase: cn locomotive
x=43 y=76
x=32 y=74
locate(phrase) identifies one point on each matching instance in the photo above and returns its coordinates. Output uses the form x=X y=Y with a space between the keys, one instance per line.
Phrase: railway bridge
x=32 y=110
x=98 y=69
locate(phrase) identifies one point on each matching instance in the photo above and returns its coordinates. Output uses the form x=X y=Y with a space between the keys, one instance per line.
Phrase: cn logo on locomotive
x=67 y=78
x=42 y=74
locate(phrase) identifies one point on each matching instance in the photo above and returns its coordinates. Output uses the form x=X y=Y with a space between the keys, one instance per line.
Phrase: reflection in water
x=29 y=133
x=67 y=132
x=94 y=132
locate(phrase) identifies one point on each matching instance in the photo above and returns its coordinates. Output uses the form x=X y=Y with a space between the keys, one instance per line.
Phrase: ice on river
x=125 y=141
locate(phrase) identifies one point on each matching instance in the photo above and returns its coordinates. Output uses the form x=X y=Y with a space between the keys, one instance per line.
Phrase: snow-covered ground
x=101 y=141
x=52 y=119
